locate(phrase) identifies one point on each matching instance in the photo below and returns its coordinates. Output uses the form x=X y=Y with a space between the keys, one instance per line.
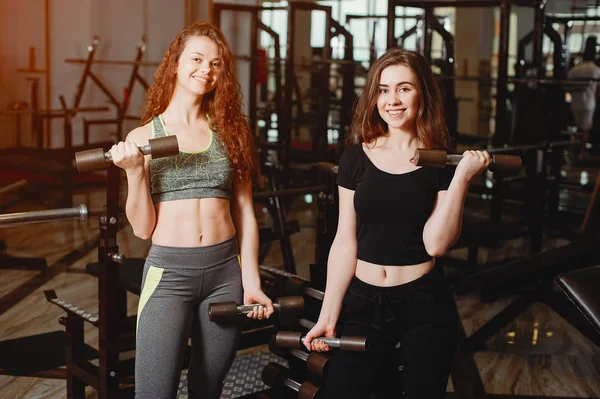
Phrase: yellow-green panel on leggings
x=152 y=279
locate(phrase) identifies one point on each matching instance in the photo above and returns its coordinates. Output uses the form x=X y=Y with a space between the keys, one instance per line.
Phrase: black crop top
x=391 y=209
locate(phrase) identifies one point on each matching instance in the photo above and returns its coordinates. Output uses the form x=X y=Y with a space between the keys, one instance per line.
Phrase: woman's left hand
x=257 y=296
x=473 y=163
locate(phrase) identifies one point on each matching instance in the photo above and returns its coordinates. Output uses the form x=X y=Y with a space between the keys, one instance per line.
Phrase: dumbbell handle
x=299 y=354
x=295 y=385
x=144 y=149
x=314 y=293
x=292 y=339
x=306 y=323
x=440 y=158
x=498 y=161
x=333 y=342
x=290 y=306
x=97 y=159
x=245 y=309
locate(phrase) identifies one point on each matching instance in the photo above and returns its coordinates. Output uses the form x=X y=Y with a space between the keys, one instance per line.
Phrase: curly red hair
x=223 y=104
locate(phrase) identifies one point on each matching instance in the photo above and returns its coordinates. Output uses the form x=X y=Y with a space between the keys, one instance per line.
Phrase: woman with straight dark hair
x=394 y=219
x=197 y=208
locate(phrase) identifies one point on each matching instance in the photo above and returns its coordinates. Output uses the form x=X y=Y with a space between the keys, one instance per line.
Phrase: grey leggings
x=178 y=285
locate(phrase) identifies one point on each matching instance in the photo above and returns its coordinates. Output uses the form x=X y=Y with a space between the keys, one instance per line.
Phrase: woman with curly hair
x=394 y=219
x=197 y=209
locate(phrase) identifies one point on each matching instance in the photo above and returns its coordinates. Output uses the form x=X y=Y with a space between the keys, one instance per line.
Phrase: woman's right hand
x=321 y=329
x=473 y=163
x=126 y=155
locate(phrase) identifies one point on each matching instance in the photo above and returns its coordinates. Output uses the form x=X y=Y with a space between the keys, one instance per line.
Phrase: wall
x=474 y=45
x=72 y=24
x=21 y=27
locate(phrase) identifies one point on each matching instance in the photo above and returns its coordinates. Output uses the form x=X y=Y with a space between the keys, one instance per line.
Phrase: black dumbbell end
x=510 y=164
x=89 y=160
x=353 y=344
x=289 y=308
x=308 y=390
x=222 y=311
x=288 y=339
x=163 y=146
x=292 y=303
x=317 y=363
x=434 y=158
x=272 y=374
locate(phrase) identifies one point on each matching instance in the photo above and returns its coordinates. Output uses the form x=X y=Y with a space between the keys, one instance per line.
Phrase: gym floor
x=537 y=354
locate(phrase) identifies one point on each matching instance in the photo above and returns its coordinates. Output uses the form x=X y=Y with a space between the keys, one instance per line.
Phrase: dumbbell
x=293 y=339
x=274 y=375
x=440 y=158
x=98 y=159
x=287 y=307
x=316 y=362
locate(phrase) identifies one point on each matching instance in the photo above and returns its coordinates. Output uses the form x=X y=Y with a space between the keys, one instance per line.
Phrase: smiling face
x=199 y=65
x=398 y=99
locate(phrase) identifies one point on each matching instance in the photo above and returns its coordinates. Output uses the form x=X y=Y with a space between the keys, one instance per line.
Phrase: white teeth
x=395 y=112
x=201 y=79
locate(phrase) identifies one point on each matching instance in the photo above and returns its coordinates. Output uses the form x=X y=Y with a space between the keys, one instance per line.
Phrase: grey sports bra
x=204 y=174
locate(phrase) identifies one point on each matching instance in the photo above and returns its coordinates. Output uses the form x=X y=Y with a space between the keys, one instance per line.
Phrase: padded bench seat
x=582 y=288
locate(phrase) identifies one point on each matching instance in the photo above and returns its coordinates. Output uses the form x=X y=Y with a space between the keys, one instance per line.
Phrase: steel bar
x=80 y=212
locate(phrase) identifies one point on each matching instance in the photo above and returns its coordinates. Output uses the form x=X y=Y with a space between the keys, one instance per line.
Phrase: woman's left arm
x=444 y=226
x=244 y=219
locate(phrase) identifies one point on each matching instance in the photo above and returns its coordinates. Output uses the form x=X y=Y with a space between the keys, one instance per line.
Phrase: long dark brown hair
x=223 y=104
x=367 y=124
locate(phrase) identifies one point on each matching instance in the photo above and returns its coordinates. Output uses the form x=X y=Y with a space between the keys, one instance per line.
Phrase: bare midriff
x=389 y=276
x=193 y=222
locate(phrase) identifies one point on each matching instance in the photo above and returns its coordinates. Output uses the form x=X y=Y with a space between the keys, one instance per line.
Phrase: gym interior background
x=73 y=76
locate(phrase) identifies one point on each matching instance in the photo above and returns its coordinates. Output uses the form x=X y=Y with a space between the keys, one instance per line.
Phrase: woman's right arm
x=341 y=267
x=138 y=207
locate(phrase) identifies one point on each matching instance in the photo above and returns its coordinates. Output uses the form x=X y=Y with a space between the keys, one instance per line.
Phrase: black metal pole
x=501 y=132
x=538 y=27
x=427 y=33
x=253 y=70
x=391 y=24
x=111 y=297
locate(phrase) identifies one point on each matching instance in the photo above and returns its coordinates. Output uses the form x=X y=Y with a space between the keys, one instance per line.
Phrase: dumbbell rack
x=114 y=335
x=298 y=374
x=284 y=283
